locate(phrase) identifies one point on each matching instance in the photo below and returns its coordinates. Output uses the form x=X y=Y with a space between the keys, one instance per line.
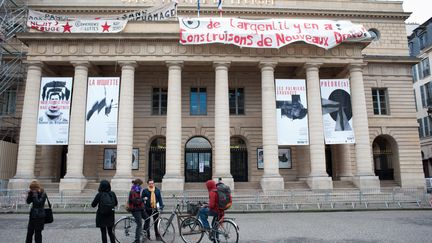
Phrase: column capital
x=312 y=65
x=267 y=64
x=356 y=67
x=34 y=64
x=132 y=64
x=221 y=64
x=80 y=63
x=174 y=64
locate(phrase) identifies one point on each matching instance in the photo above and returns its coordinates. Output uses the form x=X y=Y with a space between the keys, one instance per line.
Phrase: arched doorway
x=239 y=160
x=198 y=160
x=157 y=151
x=383 y=158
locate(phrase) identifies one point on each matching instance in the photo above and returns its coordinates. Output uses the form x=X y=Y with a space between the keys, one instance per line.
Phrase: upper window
x=423 y=40
x=375 y=34
x=420 y=128
x=159 y=102
x=198 y=101
x=425 y=67
x=236 y=101
x=415 y=75
x=8 y=103
x=380 y=104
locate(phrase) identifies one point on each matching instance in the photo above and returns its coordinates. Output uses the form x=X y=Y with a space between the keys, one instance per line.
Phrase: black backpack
x=224 y=196
x=106 y=203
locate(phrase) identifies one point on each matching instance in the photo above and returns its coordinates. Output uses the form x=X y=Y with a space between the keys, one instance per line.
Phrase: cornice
x=391 y=59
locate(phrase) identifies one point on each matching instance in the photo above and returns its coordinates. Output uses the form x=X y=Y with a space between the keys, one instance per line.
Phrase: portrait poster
x=285 y=161
x=102 y=110
x=110 y=159
x=135 y=159
x=337 y=111
x=260 y=158
x=54 y=111
x=292 y=112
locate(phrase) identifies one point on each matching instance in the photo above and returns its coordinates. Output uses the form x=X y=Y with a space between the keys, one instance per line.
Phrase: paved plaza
x=359 y=226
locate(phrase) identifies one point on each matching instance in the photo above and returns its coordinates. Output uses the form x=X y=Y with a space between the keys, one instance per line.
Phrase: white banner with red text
x=337 y=111
x=102 y=110
x=54 y=109
x=291 y=112
x=269 y=33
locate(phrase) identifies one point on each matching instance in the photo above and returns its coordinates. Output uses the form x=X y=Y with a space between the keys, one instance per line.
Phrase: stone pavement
x=358 y=226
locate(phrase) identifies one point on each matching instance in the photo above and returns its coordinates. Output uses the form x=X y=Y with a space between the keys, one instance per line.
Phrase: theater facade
x=166 y=93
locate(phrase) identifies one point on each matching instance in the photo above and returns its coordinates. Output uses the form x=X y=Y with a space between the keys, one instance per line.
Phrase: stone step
x=296 y=185
x=343 y=185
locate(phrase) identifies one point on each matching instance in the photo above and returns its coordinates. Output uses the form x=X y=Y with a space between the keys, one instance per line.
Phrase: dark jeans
x=110 y=233
x=36 y=230
x=203 y=215
x=147 y=222
x=139 y=215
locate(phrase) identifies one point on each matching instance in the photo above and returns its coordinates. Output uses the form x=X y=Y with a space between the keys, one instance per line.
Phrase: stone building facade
x=162 y=82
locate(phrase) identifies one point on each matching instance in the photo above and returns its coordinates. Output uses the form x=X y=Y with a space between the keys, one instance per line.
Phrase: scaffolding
x=13 y=17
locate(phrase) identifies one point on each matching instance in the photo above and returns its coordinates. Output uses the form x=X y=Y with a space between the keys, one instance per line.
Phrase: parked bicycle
x=124 y=229
x=192 y=230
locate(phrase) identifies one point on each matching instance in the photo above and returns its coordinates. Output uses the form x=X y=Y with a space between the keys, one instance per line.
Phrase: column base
x=73 y=184
x=175 y=184
x=121 y=185
x=19 y=184
x=229 y=181
x=367 y=182
x=346 y=178
x=275 y=183
x=320 y=182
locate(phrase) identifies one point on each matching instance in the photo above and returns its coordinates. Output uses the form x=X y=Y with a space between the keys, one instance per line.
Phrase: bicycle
x=124 y=228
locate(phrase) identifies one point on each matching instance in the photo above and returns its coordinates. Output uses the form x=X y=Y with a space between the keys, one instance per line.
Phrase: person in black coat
x=153 y=201
x=105 y=221
x=37 y=197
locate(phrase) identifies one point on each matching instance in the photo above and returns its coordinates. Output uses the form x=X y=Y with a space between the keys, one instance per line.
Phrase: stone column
x=364 y=176
x=173 y=179
x=318 y=178
x=123 y=176
x=74 y=178
x=222 y=125
x=345 y=171
x=27 y=141
x=271 y=179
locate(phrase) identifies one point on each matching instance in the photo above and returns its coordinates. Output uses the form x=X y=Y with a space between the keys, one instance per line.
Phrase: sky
x=421 y=10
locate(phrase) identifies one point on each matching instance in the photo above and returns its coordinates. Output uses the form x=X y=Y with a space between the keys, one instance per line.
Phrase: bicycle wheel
x=124 y=230
x=226 y=232
x=166 y=230
x=191 y=230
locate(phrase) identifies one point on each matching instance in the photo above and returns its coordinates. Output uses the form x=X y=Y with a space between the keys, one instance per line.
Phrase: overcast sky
x=421 y=10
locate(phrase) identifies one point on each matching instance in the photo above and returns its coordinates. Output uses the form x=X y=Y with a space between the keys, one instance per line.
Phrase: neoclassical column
x=271 y=179
x=74 y=178
x=318 y=178
x=173 y=179
x=364 y=176
x=344 y=162
x=122 y=178
x=222 y=125
x=27 y=141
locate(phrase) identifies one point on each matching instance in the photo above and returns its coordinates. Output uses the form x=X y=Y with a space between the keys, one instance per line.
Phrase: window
x=430 y=125
x=423 y=95
x=415 y=74
x=428 y=88
x=420 y=122
x=379 y=98
x=425 y=67
x=426 y=126
x=198 y=101
x=8 y=103
x=236 y=101
x=159 y=102
x=423 y=40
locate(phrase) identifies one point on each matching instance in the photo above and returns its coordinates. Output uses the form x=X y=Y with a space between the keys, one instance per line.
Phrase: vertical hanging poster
x=102 y=110
x=54 y=109
x=291 y=112
x=337 y=111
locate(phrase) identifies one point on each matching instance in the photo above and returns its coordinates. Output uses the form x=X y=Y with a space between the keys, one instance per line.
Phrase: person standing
x=136 y=207
x=37 y=197
x=106 y=200
x=153 y=202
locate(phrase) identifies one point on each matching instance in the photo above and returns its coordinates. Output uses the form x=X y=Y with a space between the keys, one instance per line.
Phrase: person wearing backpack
x=106 y=200
x=136 y=207
x=152 y=204
x=212 y=208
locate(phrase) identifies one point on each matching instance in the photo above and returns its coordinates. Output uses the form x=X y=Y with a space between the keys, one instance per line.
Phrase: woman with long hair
x=37 y=197
x=106 y=200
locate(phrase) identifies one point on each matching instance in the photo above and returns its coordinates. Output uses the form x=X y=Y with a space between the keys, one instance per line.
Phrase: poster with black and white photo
x=54 y=109
x=337 y=111
x=102 y=110
x=291 y=112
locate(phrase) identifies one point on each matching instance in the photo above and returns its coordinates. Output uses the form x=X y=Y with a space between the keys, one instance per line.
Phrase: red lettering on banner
x=213 y=25
x=310 y=26
x=328 y=26
x=298 y=27
x=264 y=41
